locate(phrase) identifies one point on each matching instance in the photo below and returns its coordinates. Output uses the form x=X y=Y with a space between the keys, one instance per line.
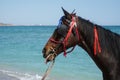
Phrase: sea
x=21 y=56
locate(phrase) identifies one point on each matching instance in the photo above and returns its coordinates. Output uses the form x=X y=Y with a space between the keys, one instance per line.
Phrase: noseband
x=64 y=42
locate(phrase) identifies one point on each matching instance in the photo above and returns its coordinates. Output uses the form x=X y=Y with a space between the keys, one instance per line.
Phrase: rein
x=64 y=42
x=48 y=70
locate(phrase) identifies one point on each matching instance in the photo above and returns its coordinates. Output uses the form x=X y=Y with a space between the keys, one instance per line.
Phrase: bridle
x=63 y=42
x=73 y=24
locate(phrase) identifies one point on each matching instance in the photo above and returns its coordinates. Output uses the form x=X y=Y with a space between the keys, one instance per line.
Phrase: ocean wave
x=21 y=76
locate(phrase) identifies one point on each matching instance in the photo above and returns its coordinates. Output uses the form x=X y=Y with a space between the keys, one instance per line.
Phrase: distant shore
x=4 y=24
x=12 y=25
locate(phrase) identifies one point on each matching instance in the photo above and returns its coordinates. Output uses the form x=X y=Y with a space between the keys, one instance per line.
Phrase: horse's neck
x=86 y=30
x=109 y=43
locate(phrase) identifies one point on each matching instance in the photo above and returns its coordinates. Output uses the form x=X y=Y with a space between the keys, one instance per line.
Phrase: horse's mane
x=110 y=42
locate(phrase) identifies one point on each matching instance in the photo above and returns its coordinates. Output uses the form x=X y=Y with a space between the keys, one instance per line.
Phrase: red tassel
x=96 y=42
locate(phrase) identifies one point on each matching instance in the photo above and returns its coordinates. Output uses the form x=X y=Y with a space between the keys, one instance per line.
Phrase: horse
x=102 y=45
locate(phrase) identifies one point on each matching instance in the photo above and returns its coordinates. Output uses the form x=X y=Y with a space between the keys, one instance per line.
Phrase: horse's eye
x=62 y=30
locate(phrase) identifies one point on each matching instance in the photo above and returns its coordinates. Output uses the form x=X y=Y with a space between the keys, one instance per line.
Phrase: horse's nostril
x=44 y=51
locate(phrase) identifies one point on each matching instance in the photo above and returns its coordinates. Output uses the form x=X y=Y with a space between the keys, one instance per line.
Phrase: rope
x=48 y=70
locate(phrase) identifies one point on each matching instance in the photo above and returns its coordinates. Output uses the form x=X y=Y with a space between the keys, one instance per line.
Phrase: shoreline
x=13 y=75
x=4 y=76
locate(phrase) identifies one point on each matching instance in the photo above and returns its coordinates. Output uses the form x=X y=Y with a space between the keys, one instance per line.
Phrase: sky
x=48 y=12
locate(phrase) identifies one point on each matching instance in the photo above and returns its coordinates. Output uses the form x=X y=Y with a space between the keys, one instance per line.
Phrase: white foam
x=22 y=76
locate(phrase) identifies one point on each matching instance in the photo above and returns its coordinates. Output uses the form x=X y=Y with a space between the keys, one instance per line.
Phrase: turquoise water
x=21 y=56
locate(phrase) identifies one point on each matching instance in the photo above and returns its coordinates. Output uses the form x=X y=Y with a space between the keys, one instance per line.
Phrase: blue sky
x=48 y=12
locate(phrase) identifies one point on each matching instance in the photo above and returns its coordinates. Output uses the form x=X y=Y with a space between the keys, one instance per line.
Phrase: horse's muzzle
x=49 y=54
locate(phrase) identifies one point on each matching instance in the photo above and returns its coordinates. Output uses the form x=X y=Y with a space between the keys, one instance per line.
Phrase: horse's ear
x=67 y=14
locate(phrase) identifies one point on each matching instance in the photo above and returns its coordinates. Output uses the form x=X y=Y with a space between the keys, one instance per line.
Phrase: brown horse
x=102 y=45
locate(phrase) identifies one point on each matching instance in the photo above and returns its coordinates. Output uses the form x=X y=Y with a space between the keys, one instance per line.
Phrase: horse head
x=65 y=36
